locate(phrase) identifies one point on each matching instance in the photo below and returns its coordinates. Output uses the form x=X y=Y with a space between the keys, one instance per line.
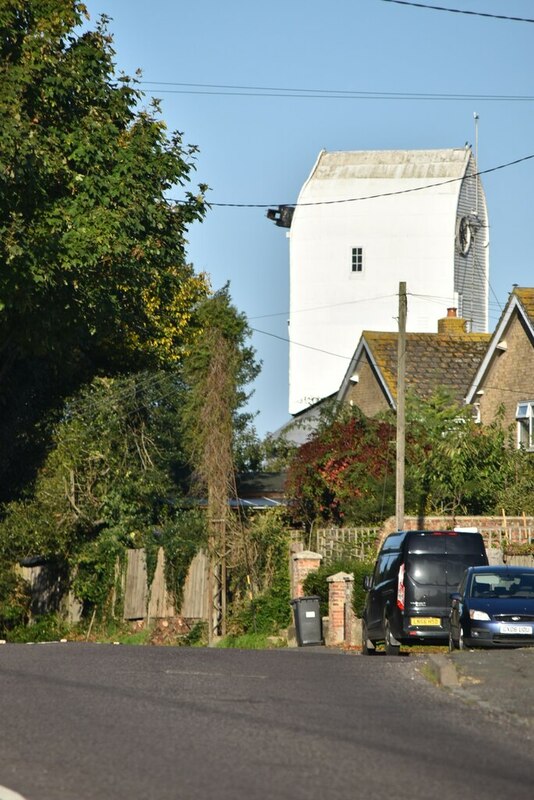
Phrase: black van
x=408 y=595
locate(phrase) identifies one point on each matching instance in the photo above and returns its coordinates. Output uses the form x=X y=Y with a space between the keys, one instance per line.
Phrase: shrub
x=316 y=583
x=14 y=600
x=48 y=628
x=359 y=594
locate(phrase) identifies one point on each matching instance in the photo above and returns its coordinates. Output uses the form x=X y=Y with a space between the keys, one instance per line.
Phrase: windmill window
x=525 y=425
x=357 y=259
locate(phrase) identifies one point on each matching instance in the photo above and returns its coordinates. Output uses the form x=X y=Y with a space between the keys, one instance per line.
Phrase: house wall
x=367 y=393
x=510 y=377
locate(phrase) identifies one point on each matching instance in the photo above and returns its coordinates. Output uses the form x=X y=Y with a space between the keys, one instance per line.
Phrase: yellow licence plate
x=424 y=621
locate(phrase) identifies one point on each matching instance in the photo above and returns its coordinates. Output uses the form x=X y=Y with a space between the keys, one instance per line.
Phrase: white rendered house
x=364 y=222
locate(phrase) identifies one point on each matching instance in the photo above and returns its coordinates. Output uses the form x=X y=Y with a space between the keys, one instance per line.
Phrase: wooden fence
x=141 y=599
x=362 y=542
x=335 y=544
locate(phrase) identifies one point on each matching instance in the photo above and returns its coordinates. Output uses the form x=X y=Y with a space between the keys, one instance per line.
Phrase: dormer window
x=525 y=425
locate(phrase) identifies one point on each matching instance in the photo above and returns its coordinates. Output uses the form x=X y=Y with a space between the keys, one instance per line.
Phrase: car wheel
x=366 y=650
x=391 y=649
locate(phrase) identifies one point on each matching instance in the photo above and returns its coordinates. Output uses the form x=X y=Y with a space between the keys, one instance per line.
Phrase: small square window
x=357 y=259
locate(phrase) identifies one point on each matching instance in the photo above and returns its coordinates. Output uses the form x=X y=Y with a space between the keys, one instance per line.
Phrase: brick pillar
x=302 y=564
x=336 y=607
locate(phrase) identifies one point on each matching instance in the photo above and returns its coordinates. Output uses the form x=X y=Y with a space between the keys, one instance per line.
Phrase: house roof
x=261 y=484
x=520 y=301
x=526 y=299
x=433 y=360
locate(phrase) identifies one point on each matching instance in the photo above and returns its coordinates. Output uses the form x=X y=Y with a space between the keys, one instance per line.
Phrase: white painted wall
x=405 y=237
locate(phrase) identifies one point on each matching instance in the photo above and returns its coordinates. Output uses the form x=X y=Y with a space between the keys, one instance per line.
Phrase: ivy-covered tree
x=93 y=271
x=216 y=372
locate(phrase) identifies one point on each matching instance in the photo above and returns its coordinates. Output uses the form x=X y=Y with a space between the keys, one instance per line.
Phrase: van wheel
x=391 y=649
x=368 y=647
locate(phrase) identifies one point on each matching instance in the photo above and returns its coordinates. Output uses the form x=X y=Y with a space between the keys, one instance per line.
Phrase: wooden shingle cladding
x=505 y=376
x=433 y=361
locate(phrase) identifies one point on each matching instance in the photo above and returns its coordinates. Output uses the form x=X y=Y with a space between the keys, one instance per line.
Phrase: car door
x=457 y=608
x=380 y=593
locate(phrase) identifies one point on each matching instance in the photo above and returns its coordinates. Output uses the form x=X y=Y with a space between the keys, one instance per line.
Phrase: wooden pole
x=401 y=419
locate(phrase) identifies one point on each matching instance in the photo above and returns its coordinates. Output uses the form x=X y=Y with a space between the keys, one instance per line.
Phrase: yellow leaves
x=170 y=316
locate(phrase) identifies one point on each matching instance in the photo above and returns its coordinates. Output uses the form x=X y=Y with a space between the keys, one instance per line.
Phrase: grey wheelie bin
x=308 y=622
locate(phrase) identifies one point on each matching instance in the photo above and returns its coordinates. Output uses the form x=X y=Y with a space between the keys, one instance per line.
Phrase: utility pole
x=401 y=417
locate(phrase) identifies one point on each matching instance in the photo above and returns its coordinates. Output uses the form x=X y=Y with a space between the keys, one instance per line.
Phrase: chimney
x=452 y=324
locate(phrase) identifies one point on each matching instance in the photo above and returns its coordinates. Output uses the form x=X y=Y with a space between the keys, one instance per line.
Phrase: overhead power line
x=366 y=197
x=459 y=11
x=320 y=308
x=339 y=94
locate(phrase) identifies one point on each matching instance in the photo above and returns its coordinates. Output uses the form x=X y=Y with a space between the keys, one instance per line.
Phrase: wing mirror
x=367 y=582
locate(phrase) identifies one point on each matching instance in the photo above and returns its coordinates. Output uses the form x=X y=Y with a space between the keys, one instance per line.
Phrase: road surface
x=103 y=722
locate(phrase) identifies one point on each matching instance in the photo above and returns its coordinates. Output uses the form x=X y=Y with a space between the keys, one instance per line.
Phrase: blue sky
x=258 y=147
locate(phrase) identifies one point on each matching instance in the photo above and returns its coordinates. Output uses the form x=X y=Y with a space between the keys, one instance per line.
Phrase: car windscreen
x=489 y=585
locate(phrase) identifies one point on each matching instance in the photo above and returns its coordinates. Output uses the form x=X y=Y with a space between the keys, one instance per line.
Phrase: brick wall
x=366 y=393
x=511 y=368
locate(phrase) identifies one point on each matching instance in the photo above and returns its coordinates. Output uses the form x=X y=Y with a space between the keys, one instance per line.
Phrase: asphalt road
x=85 y=721
x=500 y=681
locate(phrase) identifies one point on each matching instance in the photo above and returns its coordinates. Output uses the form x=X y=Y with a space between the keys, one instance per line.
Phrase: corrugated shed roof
x=433 y=360
x=392 y=164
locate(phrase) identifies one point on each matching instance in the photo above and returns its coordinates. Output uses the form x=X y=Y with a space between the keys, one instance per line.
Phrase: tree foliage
x=259 y=583
x=456 y=465
x=109 y=482
x=345 y=472
x=216 y=372
x=94 y=277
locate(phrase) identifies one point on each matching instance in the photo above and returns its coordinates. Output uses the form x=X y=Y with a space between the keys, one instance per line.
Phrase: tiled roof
x=526 y=298
x=433 y=360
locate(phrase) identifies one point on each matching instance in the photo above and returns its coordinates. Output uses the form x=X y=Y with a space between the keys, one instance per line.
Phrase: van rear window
x=428 y=570
x=445 y=542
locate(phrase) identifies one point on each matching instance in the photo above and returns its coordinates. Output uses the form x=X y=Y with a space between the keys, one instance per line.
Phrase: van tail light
x=400 y=589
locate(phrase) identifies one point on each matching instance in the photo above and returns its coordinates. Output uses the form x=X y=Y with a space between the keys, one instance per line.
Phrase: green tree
x=93 y=272
x=515 y=493
x=455 y=465
x=109 y=482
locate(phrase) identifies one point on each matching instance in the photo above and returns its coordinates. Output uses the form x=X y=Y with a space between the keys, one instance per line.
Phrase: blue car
x=493 y=607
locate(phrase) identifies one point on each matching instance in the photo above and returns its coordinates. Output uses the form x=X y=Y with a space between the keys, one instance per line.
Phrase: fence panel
x=335 y=544
x=362 y=542
x=195 y=597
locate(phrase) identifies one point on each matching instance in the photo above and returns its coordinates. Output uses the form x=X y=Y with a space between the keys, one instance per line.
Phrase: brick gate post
x=302 y=564
x=336 y=607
